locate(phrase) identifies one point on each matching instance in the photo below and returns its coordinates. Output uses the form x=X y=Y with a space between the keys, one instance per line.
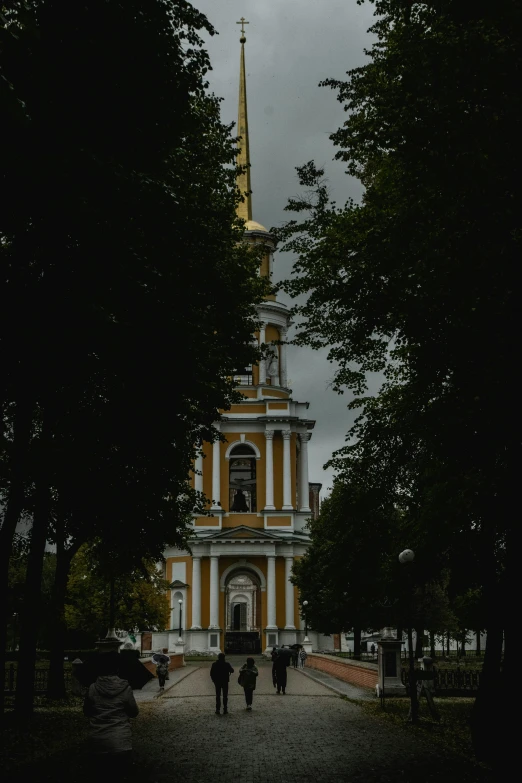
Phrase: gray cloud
x=292 y=46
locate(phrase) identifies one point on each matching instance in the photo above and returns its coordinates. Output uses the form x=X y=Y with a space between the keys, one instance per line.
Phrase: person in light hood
x=110 y=704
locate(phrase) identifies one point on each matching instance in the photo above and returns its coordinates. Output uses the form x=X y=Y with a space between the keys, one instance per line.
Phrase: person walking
x=247 y=679
x=109 y=704
x=281 y=664
x=220 y=672
x=302 y=657
x=295 y=657
x=274 y=656
x=162 y=670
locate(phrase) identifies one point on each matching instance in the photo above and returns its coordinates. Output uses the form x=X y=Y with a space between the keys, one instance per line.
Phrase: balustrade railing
x=466 y=680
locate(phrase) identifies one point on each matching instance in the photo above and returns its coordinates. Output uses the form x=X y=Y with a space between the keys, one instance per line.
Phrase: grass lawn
x=54 y=728
x=453 y=732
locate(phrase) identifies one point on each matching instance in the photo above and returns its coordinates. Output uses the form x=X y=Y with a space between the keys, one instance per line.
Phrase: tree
x=350 y=574
x=118 y=245
x=344 y=574
x=140 y=597
x=419 y=282
x=15 y=594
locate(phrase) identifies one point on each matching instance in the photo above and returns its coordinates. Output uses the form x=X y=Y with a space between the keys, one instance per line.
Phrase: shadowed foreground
x=310 y=734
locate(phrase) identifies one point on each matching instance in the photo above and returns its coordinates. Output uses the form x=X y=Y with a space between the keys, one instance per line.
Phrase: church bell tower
x=235 y=590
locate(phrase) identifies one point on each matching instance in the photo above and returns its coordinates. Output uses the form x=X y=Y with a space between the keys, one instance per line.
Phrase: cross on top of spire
x=243 y=22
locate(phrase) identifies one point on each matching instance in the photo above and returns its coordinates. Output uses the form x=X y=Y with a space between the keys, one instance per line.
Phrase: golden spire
x=244 y=208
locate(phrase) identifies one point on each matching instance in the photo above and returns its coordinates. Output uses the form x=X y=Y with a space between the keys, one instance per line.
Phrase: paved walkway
x=310 y=734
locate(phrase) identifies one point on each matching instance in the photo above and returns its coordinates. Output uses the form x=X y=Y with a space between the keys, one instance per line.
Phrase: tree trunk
x=22 y=426
x=486 y=708
x=112 y=603
x=32 y=590
x=357 y=643
x=463 y=644
x=487 y=724
x=478 y=650
x=419 y=635
x=447 y=644
x=412 y=682
x=59 y=626
x=432 y=644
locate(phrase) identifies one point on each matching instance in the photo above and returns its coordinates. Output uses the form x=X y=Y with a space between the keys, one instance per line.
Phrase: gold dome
x=252 y=225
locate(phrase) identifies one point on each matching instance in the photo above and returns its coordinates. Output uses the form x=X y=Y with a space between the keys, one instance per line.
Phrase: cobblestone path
x=310 y=734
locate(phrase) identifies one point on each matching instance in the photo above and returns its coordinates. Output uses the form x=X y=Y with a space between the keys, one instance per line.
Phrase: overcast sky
x=291 y=46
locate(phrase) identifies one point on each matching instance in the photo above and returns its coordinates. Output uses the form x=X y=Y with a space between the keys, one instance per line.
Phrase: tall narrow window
x=242 y=484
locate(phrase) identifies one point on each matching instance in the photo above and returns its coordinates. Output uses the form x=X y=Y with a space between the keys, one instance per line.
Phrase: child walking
x=247 y=679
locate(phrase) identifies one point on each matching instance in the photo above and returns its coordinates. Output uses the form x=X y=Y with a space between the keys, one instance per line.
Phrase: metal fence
x=41 y=680
x=454 y=680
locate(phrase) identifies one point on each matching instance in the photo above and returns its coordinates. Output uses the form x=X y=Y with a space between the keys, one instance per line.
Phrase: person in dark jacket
x=274 y=656
x=247 y=679
x=110 y=704
x=281 y=662
x=162 y=670
x=220 y=672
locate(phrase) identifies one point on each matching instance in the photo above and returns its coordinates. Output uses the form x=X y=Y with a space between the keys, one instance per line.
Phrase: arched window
x=242 y=482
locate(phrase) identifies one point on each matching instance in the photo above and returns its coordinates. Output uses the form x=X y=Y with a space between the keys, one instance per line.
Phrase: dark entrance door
x=239 y=617
x=238 y=642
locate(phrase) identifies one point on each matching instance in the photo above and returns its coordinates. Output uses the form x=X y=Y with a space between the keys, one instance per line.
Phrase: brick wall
x=357 y=673
x=177 y=660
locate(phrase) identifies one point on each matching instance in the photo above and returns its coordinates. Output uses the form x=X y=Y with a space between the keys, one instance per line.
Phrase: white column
x=262 y=363
x=216 y=475
x=303 y=484
x=198 y=472
x=271 y=593
x=196 y=593
x=269 y=467
x=287 y=484
x=289 y=595
x=214 y=592
x=282 y=358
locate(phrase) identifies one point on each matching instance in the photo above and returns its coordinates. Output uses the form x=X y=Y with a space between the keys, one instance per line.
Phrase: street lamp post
x=305 y=604
x=180 y=602
x=111 y=643
x=407 y=556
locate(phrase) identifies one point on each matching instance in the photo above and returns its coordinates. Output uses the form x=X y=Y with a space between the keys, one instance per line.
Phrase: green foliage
x=342 y=575
x=119 y=244
x=140 y=597
x=420 y=283
x=350 y=574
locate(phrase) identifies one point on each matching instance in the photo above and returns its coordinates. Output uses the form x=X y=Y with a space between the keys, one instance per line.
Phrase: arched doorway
x=242 y=612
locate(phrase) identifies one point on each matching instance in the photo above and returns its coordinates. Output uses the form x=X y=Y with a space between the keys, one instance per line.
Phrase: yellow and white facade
x=233 y=591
